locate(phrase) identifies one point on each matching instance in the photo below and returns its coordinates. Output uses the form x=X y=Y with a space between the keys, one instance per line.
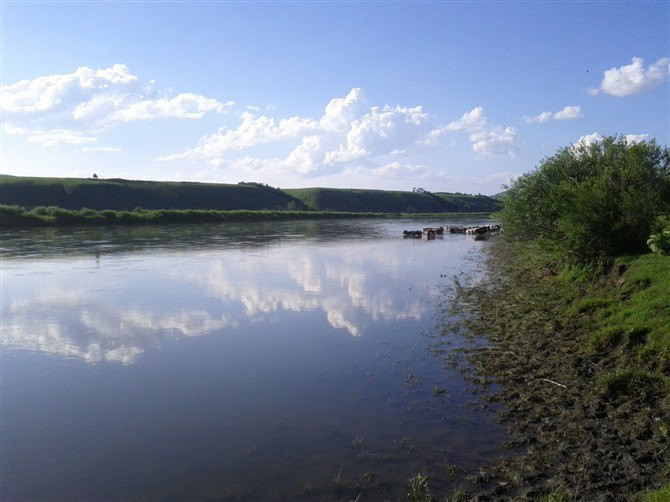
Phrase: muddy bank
x=578 y=432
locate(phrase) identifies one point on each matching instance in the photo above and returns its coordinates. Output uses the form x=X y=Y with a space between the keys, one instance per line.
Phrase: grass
x=660 y=495
x=418 y=488
x=329 y=199
x=126 y=195
x=120 y=194
x=582 y=357
x=16 y=216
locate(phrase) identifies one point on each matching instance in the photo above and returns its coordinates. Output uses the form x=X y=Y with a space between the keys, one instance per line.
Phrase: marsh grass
x=418 y=488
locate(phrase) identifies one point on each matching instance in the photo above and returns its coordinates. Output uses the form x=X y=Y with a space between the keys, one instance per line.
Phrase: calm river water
x=241 y=361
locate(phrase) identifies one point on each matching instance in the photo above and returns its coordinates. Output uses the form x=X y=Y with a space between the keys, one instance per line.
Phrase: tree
x=95 y=176
x=593 y=201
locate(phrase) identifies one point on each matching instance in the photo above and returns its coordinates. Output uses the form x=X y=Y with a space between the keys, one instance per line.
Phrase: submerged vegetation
x=575 y=312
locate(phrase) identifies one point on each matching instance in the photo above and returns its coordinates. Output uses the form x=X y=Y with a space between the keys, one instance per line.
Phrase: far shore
x=18 y=217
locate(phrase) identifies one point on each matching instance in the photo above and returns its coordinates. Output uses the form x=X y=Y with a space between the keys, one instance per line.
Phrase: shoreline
x=18 y=217
x=590 y=422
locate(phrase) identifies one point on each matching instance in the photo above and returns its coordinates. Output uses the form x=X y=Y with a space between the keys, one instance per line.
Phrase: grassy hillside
x=469 y=203
x=334 y=199
x=126 y=195
x=118 y=194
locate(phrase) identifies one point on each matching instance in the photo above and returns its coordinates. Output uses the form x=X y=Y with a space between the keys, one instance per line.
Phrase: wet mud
x=570 y=438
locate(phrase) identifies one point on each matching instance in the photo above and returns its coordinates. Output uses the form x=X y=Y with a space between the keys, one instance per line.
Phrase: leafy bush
x=592 y=201
x=660 y=242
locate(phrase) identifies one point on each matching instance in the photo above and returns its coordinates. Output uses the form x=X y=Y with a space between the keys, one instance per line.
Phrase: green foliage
x=592 y=202
x=660 y=495
x=660 y=242
x=15 y=216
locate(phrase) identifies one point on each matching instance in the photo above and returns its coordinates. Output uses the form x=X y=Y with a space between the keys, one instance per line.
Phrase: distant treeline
x=131 y=195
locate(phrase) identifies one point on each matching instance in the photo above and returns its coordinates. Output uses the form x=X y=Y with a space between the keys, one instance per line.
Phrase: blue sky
x=449 y=96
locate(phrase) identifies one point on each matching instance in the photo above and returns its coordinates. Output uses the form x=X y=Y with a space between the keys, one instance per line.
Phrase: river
x=260 y=361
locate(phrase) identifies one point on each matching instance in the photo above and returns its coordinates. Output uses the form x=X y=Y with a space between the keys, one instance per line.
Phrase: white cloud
x=51 y=137
x=350 y=134
x=538 y=119
x=596 y=137
x=636 y=138
x=87 y=102
x=485 y=141
x=567 y=113
x=183 y=106
x=395 y=169
x=589 y=139
x=47 y=93
x=472 y=121
x=633 y=78
x=495 y=141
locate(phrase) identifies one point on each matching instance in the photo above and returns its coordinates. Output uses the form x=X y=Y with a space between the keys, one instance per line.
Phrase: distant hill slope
x=336 y=199
x=119 y=194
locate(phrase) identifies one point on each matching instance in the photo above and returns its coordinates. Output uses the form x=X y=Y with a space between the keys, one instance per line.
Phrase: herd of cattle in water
x=432 y=233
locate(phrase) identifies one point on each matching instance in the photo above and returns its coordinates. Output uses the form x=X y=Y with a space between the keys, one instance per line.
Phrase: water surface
x=240 y=361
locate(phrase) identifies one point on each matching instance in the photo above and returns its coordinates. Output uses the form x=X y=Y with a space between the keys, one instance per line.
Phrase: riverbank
x=581 y=362
x=15 y=216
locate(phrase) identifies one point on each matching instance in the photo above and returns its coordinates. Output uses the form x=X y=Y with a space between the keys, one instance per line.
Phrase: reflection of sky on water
x=239 y=366
x=116 y=309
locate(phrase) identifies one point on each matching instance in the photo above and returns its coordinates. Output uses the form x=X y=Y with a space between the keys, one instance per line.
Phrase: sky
x=446 y=96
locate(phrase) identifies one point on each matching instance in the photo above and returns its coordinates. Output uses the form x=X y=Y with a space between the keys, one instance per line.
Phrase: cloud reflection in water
x=122 y=308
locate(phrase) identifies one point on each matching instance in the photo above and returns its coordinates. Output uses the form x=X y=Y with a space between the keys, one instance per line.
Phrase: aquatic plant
x=418 y=488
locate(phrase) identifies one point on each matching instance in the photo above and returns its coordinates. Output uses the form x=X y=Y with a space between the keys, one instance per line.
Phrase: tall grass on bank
x=16 y=216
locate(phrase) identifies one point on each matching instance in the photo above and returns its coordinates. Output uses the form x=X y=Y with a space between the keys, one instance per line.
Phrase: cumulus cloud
x=589 y=139
x=64 y=108
x=350 y=134
x=538 y=119
x=486 y=141
x=636 y=138
x=633 y=78
x=567 y=113
x=472 y=121
x=596 y=137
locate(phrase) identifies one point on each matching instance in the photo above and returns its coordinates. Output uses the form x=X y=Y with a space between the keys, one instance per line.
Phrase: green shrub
x=593 y=201
x=660 y=242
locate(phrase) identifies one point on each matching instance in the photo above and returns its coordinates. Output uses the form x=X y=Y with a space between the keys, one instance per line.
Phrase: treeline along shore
x=58 y=201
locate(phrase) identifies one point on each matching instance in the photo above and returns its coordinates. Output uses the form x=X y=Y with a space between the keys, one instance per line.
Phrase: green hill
x=338 y=199
x=126 y=195
x=119 y=194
